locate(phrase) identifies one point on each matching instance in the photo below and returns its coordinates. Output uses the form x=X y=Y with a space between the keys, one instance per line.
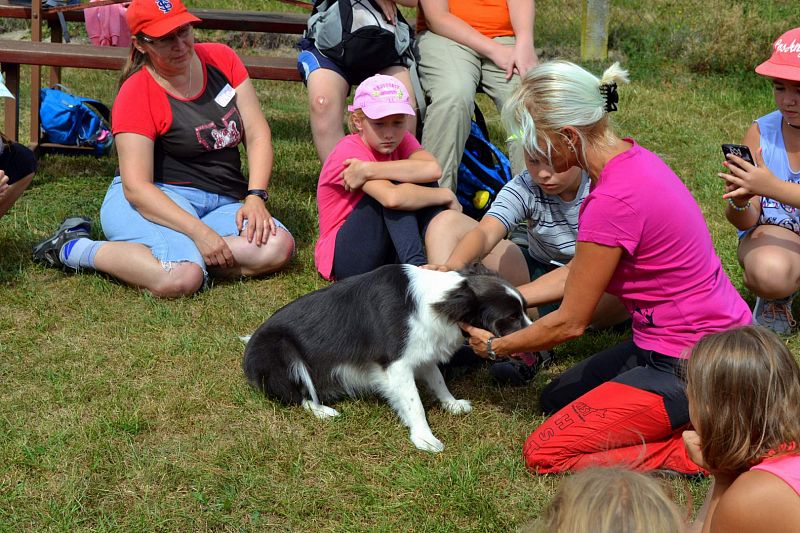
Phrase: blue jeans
x=123 y=223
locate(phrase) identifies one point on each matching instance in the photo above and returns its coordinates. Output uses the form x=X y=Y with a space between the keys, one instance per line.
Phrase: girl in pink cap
x=377 y=189
x=763 y=200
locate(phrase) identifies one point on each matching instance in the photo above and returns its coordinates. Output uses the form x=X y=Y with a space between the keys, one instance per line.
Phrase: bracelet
x=738 y=208
x=489 y=351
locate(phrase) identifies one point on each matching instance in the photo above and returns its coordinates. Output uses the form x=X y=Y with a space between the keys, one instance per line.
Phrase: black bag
x=355 y=35
x=483 y=171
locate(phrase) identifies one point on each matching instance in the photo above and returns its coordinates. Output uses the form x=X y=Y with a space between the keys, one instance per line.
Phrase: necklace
x=185 y=93
x=792 y=125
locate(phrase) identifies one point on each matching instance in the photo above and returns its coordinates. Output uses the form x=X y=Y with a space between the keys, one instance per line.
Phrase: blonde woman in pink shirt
x=744 y=402
x=642 y=238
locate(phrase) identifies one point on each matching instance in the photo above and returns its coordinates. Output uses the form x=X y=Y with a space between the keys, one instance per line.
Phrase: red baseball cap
x=785 y=60
x=157 y=18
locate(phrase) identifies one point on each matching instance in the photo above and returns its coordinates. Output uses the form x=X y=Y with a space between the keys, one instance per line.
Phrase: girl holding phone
x=764 y=199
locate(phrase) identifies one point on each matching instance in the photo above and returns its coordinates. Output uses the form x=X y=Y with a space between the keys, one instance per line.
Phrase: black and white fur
x=374 y=334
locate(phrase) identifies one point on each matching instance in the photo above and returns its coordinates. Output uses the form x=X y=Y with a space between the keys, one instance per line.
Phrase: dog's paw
x=427 y=442
x=245 y=338
x=457 y=407
x=323 y=412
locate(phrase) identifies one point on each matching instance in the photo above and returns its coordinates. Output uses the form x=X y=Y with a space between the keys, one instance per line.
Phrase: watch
x=261 y=193
x=489 y=350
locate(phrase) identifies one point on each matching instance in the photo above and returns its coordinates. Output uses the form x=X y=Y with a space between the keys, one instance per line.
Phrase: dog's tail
x=277 y=374
x=299 y=373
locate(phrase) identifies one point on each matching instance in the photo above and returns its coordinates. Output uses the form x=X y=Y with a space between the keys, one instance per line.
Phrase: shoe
x=775 y=314
x=521 y=369
x=47 y=251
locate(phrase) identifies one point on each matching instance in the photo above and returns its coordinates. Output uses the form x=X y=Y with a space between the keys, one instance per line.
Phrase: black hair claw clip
x=609 y=92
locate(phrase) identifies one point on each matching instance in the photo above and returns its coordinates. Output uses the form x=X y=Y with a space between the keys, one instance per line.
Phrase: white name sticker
x=225 y=95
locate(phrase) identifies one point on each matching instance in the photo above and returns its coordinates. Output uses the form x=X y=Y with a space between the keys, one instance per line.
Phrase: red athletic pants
x=632 y=415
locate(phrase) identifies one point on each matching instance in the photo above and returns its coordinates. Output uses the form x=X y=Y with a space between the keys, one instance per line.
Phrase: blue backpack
x=74 y=121
x=483 y=171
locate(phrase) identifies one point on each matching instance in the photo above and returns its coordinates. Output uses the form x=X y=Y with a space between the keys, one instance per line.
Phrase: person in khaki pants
x=464 y=46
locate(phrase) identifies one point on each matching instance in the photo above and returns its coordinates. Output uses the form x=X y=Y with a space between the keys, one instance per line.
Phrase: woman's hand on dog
x=477 y=338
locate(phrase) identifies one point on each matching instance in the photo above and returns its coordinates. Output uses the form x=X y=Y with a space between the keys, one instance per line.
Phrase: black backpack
x=355 y=35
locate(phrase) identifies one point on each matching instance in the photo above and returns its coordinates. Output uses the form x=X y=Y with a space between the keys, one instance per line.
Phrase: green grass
x=122 y=412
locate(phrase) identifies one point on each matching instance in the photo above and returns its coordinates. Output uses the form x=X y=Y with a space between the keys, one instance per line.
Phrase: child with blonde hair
x=606 y=500
x=377 y=190
x=743 y=387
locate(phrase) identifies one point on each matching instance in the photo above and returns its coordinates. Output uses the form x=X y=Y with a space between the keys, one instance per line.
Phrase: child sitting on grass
x=377 y=190
x=606 y=500
x=743 y=388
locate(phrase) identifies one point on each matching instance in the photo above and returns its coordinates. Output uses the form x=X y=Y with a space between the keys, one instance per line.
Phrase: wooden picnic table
x=55 y=54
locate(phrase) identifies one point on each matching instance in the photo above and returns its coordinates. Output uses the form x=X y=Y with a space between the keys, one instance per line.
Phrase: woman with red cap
x=181 y=206
x=763 y=199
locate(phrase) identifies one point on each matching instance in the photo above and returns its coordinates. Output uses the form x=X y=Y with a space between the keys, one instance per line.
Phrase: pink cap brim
x=384 y=110
x=783 y=72
x=169 y=24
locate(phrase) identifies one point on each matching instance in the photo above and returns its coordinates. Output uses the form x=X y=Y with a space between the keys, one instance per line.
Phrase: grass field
x=122 y=412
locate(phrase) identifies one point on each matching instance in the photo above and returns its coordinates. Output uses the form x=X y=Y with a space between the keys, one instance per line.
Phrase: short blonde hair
x=743 y=387
x=351 y=120
x=557 y=94
x=606 y=500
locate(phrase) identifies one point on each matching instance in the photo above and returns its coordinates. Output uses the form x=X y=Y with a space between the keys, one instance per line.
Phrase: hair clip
x=609 y=92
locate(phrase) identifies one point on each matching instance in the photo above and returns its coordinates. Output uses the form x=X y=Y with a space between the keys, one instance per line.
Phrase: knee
x=454 y=102
x=275 y=254
x=772 y=276
x=543 y=458
x=184 y=279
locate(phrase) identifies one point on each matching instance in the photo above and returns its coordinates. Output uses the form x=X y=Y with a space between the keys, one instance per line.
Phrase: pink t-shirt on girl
x=334 y=203
x=669 y=277
x=786 y=467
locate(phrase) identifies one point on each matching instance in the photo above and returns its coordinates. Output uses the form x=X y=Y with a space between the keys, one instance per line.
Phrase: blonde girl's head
x=743 y=387
x=556 y=95
x=606 y=500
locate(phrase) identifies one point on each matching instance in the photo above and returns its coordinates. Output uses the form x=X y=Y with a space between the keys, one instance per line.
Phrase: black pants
x=373 y=236
x=16 y=161
x=627 y=364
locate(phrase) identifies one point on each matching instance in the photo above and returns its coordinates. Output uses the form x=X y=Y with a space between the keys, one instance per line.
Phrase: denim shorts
x=122 y=222
x=310 y=59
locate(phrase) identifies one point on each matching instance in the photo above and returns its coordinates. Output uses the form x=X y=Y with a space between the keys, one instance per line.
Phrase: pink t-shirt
x=334 y=203
x=786 y=467
x=669 y=277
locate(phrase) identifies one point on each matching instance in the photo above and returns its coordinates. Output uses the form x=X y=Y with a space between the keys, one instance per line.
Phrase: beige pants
x=450 y=75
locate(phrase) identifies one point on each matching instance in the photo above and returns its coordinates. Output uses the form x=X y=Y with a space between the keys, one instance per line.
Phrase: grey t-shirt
x=552 y=222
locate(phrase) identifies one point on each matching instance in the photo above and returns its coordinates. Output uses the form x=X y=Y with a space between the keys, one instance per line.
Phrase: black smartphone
x=739 y=150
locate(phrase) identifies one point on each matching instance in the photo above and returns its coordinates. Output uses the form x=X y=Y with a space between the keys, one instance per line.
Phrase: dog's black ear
x=477 y=269
x=459 y=303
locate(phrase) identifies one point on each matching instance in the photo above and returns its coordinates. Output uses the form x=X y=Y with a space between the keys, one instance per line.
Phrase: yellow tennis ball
x=480 y=199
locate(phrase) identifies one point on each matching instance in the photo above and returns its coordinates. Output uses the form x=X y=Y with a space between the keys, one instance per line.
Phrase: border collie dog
x=375 y=334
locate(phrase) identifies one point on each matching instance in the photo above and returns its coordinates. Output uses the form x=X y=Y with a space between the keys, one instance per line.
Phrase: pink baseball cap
x=785 y=60
x=380 y=96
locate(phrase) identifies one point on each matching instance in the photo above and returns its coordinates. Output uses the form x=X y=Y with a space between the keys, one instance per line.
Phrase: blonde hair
x=743 y=386
x=555 y=95
x=606 y=500
x=351 y=120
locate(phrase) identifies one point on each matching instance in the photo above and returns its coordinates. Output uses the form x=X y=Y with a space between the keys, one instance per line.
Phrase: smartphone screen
x=739 y=150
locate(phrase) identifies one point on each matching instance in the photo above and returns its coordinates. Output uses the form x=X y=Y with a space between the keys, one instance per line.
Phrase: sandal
x=47 y=251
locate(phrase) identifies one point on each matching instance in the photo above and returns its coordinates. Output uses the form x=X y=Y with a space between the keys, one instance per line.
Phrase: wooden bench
x=16 y=53
x=212 y=19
